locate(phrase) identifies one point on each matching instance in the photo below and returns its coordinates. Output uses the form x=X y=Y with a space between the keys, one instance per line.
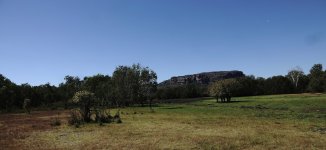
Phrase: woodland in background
x=137 y=85
x=127 y=86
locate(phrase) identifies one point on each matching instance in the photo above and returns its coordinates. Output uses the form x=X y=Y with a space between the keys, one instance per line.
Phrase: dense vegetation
x=130 y=85
x=294 y=82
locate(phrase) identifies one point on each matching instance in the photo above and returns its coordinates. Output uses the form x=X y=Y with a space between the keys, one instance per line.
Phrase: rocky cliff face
x=204 y=78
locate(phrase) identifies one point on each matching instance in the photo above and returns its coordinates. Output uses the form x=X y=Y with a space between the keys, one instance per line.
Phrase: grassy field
x=259 y=122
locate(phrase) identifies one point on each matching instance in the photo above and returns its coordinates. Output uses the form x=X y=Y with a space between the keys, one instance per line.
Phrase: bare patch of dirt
x=15 y=127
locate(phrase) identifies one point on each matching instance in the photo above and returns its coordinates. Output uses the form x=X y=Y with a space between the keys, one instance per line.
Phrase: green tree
x=247 y=86
x=101 y=86
x=133 y=84
x=278 y=85
x=295 y=75
x=85 y=100
x=317 y=79
x=9 y=95
x=222 y=87
x=70 y=87
x=121 y=84
x=148 y=85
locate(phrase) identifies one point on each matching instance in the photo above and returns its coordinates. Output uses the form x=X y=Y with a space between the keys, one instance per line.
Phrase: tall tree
x=294 y=75
x=70 y=87
x=317 y=78
x=121 y=84
x=278 y=85
x=148 y=85
x=133 y=84
x=101 y=86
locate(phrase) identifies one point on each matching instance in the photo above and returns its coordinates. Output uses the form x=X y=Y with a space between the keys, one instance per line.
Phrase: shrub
x=27 y=105
x=103 y=116
x=117 y=118
x=75 y=118
x=85 y=101
x=56 y=122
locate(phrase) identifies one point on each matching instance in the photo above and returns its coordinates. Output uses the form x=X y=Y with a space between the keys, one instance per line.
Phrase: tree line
x=296 y=81
x=130 y=85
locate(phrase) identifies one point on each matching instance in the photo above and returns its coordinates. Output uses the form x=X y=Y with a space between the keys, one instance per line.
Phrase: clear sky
x=43 y=40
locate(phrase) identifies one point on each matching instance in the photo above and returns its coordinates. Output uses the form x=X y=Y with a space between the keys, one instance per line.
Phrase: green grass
x=259 y=122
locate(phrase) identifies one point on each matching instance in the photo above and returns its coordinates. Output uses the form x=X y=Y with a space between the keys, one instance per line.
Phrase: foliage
x=117 y=118
x=224 y=89
x=69 y=88
x=85 y=101
x=75 y=118
x=56 y=121
x=130 y=85
x=295 y=75
x=278 y=85
x=101 y=86
x=133 y=84
x=317 y=79
x=27 y=106
x=103 y=116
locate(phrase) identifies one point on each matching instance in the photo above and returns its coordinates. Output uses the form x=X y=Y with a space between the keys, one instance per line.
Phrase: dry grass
x=176 y=126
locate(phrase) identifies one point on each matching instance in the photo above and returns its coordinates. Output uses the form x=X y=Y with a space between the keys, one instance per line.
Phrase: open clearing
x=259 y=122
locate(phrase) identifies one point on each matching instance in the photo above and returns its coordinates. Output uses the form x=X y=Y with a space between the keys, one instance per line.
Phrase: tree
x=85 y=101
x=224 y=88
x=248 y=86
x=133 y=84
x=101 y=86
x=148 y=85
x=122 y=85
x=316 y=70
x=317 y=79
x=70 y=87
x=303 y=84
x=278 y=85
x=10 y=95
x=294 y=75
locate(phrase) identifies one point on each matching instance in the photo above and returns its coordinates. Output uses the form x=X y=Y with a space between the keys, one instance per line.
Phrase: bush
x=75 y=118
x=85 y=101
x=117 y=118
x=56 y=122
x=102 y=116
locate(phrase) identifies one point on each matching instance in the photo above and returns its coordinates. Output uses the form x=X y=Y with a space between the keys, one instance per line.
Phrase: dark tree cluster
x=294 y=82
x=14 y=96
x=128 y=85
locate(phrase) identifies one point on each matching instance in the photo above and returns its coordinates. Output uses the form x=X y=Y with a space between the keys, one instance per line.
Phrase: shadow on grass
x=234 y=101
x=172 y=108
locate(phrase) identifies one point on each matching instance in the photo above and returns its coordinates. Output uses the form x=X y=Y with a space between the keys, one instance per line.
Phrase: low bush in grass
x=56 y=121
x=75 y=118
x=101 y=116
x=87 y=105
x=117 y=118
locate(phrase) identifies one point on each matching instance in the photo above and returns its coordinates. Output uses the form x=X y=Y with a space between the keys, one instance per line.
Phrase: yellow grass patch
x=158 y=131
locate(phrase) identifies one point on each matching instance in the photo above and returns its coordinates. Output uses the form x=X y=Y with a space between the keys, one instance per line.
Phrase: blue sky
x=42 y=41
